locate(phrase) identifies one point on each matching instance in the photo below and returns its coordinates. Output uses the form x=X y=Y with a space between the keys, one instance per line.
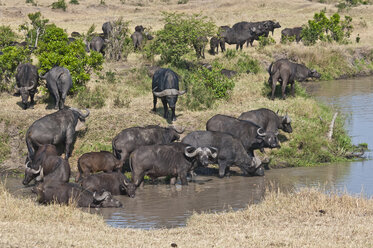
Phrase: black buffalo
x=114 y=182
x=268 y=120
x=59 y=83
x=199 y=46
x=27 y=82
x=70 y=40
x=261 y=28
x=285 y=72
x=57 y=128
x=95 y=162
x=292 y=32
x=131 y=138
x=228 y=73
x=251 y=135
x=176 y=160
x=236 y=36
x=165 y=85
x=97 y=44
x=230 y=151
x=107 y=28
x=67 y=193
x=137 y=39
x=75 y=34
x=139 y=28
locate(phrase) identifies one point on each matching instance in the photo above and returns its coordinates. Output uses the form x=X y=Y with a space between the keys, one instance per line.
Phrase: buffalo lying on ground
x=131 y=138
x=230 y=151
x=176 y=160
x=268 y=120
x=114 y=182
x=214 y=45
x=199 y=46
x=97 y=44
x=291 y=32
x=251 y=135
x=97 y=161
x=27 y=82
x=107 y=28
x=67 y=193
x=59 y=83
x=285 y=72
x=57 y=128
x=228 y=73
x=165 y=85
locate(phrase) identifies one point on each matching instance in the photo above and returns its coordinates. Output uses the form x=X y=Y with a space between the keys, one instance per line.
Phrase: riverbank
x=304 y=219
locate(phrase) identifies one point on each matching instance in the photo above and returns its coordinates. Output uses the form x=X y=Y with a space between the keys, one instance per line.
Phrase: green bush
x=74 y=2
x=7 y=36
x=32 y=33
x=9 y=61
x=247 y=64
x=179 y=34
x=182 y=1
x=60 y=4
x=324 y=29
x=91 y=98
x=54 y=50
x=265 y=41
x=287 y=39
x=230 y=53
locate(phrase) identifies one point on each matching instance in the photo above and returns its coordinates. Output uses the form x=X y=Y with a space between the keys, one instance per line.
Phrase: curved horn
x=287 y=119
x=33 y=171
x=179 y=130
x=26 y=165
x=259 y=133
x=41 y=176
x=125 y=183
x=102 y=197
x=81 y=113
x=215 y=153
x=192 y=154
x=169 y=92
x=31 y=87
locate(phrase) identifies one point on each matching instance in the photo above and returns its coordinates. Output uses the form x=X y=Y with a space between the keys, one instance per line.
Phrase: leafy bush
x=182 y=1
x=247 y=64
x=119 y=44
x=91 y=98
x=74 y=2
x=9 y=61
x=265 y=41
x=287 y=39
x=7 y=36
x=37 y=28
x=179 y=34
x=324 y=29
x=230 y=53
x=54 y=50
x=60 y=4
x=204 y=87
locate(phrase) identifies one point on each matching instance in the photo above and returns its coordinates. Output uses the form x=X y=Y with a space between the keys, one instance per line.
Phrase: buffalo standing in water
x=285 y=72
x=27 y=82
x=59 y=83
x=165 y=85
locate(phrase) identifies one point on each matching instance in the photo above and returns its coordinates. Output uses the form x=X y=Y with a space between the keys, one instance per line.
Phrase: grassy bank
x=304 y=219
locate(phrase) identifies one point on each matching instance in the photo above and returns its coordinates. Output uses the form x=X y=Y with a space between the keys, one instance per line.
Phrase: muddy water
x=161 y=205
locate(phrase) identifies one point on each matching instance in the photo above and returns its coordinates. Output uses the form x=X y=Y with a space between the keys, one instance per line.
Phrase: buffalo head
x=204 y=154
x=105 y=200
x=25 y=92
x=130 y=188
x=269 y=138
x=314 y=74
x=286 y=124
x=30 y=174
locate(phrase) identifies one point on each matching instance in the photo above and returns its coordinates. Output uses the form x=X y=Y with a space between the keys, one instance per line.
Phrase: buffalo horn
x=259 y=133
x=125 y=183
x=81 y=113
x=169 y=92
x=179 y=130
x=213 y=153
x=101 y=197
x=26 y=165
x=288 y=120
x=33 y=171
x=192 y=154
x=31 y=87
x=41 y=176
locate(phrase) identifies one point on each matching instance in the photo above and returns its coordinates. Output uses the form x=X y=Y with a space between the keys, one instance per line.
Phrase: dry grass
x=304 y=219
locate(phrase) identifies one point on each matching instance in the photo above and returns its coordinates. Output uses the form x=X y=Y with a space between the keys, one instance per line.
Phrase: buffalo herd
x=152 y=151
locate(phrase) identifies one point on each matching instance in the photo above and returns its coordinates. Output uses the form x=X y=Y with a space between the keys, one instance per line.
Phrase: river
x=157 y=206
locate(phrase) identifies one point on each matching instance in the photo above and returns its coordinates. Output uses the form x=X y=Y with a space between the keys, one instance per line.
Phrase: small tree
x=7 y=36
x=60 y=4
x=37 y=28
x=179 y=34
x=119 y=43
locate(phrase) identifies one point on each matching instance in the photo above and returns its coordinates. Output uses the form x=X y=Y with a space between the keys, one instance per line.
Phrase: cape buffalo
x=230 y=151
x=290 y=32
x=59 y=83
x=67 y=193
x=131 y=138
x=137 y=38
x=199 y=46
x=114 y=182
x=75 y=34
x=97 y=161
x=268 y=120
x=235 y=36
x=107 y=28
x=251 y=135
x=97 y=44
x=285 y=72
x=214 y=45
x=27 y=82
x=57 y=128
x=165 y=85
x=176 y=160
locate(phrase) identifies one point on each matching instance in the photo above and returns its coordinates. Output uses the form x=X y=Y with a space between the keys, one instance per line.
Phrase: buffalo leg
x=62 y=100
x=32 y=99
x=283 y=88
x=222 y=46
x=165 y=108
x=292 y=89
x=154 y=103
x=183 y=178
x=173 y=116
x=57 y=99
x=222 y=167
x=274 y=82
x=173 y=181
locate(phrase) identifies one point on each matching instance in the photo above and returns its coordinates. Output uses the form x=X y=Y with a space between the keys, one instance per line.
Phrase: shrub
x=182 y=1
x=32 y=2
x=247 y=64
x=179 y=34
x=9 y=61
x=7 y=36
x=91 y=98
x=60 y=4
x=230 y=53
x=265 y=41
x=33 y=32
x=119 y=44
x=121 y=101
x=324 y=29
x=287 y=39
x=74 y=2
x=54 y=50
